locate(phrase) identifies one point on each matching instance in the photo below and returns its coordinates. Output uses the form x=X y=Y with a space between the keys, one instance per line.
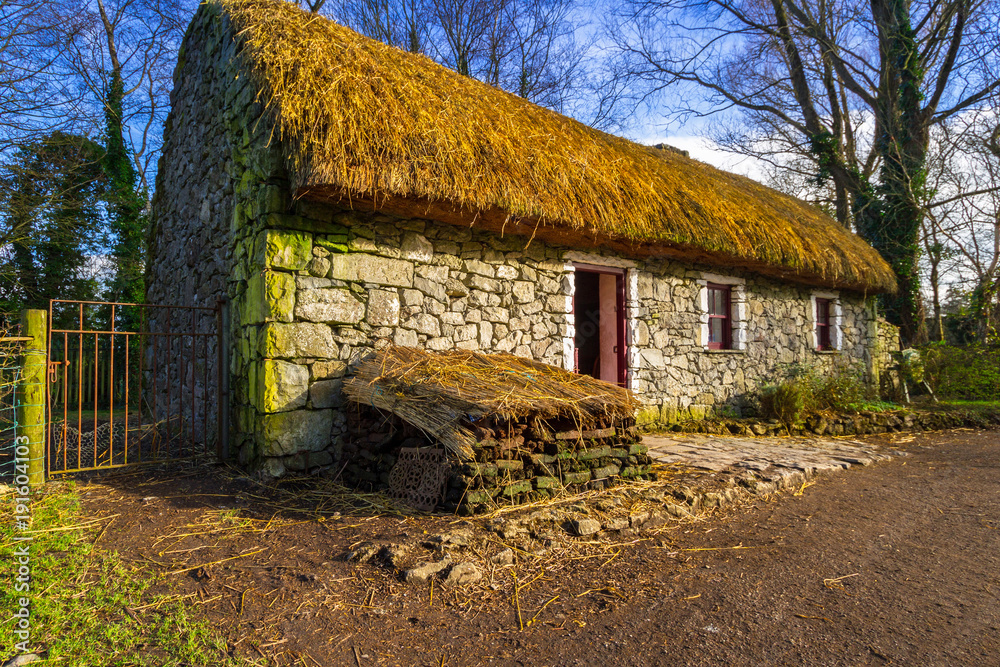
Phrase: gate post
x=31 y=393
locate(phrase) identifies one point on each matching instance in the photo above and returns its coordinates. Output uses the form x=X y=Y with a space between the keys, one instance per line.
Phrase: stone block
x=416 y=247
x=360 y=267
x=432 y=289
x=559 y=304
x=335 y=243
x=286 y=433
x=383 y=308
x=485 y=334
x=478 y=267
x=510 y=464
x=327 y=370
x=424 y=323
x=270 y=297
x=439 y=344
x=280 y=386
x=523 y=291
x=412 y=297
x=584 y=527
x=288 y=250
x=475 y=281
x=455 y=288
x=638 y=449
x=698 y=412
x=405 y=338
x=301 y=339
x=338 y=306
x=466 y=332
x=326 y=394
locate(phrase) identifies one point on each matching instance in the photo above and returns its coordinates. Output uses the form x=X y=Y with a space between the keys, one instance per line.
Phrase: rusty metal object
x=121 y=397
x=419 y=477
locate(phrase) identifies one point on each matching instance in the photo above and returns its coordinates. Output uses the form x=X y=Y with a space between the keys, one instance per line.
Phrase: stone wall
x=344 y=282
x=678 y=378
x=314 y=287
x=190 y=249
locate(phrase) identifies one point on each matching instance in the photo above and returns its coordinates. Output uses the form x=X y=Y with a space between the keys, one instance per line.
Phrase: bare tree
x=401 y=23
x=34 y=98
x=527 y=47
x=961 y=233
x=136 y=42
x=854 y=88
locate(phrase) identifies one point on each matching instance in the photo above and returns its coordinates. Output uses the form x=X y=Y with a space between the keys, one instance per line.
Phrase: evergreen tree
x=51 y=222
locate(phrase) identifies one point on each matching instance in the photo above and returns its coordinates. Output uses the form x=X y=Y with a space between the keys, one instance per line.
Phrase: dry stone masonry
x=315 y=287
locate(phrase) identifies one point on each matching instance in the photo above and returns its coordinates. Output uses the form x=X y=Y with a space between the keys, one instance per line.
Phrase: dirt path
x=896 y=563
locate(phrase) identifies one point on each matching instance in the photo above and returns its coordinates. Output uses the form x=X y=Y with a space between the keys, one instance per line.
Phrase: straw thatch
x=445 y=393
x=368 y=123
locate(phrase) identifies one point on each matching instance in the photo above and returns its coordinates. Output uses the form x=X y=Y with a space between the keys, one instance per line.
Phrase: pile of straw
x=362 y=120
x=445 y=393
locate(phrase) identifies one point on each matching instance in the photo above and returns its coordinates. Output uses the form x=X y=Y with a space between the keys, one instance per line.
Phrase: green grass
x=79 y=596
x=873 y=406
x=982 y=406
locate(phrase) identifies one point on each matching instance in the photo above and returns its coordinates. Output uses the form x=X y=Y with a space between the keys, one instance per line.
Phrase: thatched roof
x=371 y=124
x=445 y=393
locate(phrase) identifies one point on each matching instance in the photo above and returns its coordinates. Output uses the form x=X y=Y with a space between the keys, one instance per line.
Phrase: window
x=723 y=313
x=720 y=317
x=824 y=339
x=826 y=318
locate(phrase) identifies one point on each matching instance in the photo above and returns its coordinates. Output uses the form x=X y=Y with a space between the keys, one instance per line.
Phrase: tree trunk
x=902 y=144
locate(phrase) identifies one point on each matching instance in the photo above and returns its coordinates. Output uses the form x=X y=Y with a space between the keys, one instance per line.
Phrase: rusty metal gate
x=134 y=383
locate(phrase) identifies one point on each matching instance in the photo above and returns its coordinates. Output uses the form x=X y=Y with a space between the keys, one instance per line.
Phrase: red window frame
x=824 y=342
x=726 y=316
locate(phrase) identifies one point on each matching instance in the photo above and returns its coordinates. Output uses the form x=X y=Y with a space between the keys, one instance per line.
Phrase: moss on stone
x=280 y=386
x=270 y=297
x=289 y=250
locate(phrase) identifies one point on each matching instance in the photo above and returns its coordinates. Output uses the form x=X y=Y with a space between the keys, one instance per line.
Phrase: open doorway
x=599 y=313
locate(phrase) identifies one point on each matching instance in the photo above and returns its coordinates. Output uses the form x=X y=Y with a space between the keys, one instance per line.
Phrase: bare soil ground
x=898 y=563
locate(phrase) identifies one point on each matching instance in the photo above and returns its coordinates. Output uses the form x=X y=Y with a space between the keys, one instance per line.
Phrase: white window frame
x=836 y=335
x=737 y=302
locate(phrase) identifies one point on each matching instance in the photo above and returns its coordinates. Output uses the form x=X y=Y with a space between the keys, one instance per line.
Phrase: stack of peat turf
x=514 y=430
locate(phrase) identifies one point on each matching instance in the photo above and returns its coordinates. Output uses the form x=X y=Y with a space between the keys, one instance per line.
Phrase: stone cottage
x=343 y=194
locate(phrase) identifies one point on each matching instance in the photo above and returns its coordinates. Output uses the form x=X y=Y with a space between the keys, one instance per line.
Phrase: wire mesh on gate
x=11 y=349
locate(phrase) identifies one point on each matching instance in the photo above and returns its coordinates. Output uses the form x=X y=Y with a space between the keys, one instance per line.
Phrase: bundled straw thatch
x=445 y=393
x=376 y=126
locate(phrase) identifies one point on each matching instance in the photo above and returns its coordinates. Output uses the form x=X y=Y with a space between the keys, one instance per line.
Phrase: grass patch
x=953 y=405
x=88 y=607
x=873 y=405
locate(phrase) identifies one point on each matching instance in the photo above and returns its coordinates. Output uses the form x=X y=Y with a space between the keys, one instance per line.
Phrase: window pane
x=822 y=311
x=717 y=302
x=715 y=330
